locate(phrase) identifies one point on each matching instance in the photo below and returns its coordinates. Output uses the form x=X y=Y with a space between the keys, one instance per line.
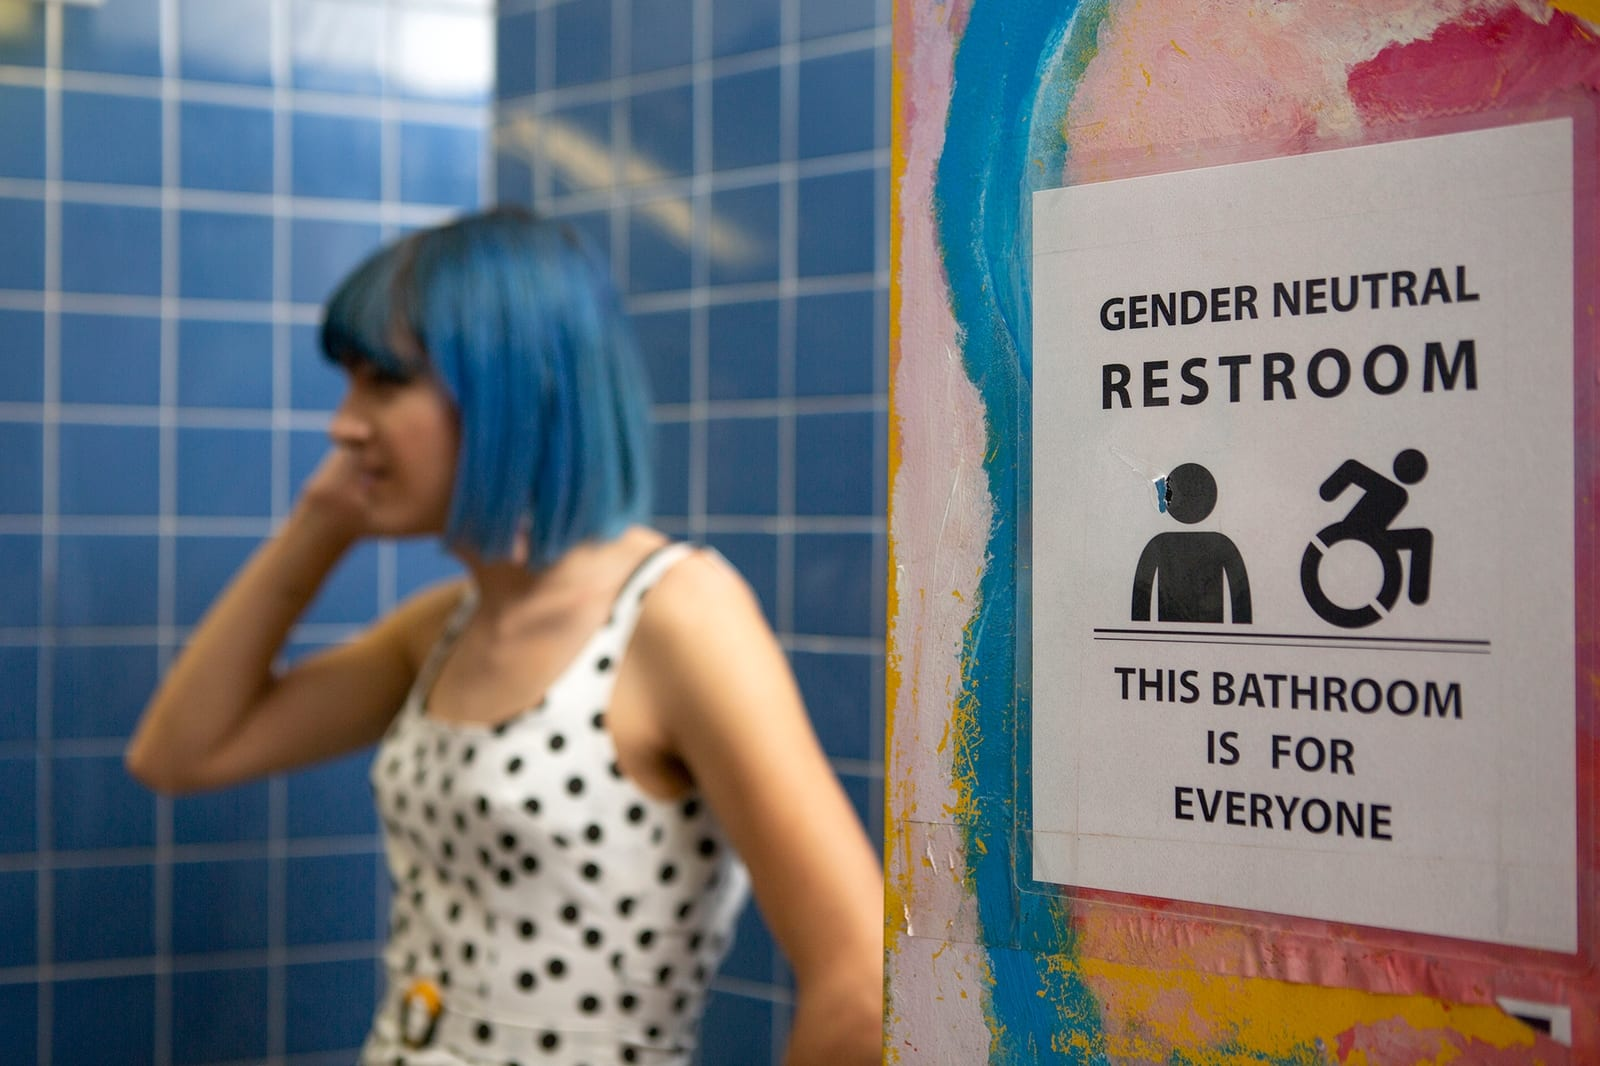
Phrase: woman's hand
x=336 y=500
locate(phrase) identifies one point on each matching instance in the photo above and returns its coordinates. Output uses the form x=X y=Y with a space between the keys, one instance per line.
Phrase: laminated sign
x=1302 y=539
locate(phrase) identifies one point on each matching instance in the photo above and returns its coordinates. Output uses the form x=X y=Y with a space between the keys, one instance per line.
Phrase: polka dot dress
x=563 y=915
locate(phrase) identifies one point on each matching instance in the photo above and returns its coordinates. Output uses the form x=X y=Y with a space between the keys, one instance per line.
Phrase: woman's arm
x=222 y=716
x=732 y=711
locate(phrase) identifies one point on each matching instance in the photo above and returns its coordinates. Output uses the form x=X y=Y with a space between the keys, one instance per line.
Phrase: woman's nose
x=348 y=426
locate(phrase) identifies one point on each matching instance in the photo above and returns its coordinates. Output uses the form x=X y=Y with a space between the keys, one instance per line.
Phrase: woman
x=574 y=777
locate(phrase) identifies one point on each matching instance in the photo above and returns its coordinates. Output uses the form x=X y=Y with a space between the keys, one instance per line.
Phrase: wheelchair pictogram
x=1368 y=522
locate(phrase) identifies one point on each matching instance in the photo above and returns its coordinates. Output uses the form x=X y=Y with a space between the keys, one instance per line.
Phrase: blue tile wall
x=735 y=169
x=208 y=172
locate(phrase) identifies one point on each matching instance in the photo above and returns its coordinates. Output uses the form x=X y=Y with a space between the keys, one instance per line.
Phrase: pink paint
x=1394 y=1041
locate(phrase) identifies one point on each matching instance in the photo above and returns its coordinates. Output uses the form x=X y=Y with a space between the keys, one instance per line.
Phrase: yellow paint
x=1176 y=48
x=1149 y=1014
x=1588 y=10
x=1146 y=72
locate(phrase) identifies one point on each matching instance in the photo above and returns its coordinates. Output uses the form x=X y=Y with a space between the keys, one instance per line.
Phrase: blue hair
x=517 y=318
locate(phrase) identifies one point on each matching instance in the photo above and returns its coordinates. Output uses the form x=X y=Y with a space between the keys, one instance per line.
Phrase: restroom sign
x=1303 y=536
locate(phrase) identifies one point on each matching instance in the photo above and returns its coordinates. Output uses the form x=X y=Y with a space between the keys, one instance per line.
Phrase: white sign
x=1303 y=536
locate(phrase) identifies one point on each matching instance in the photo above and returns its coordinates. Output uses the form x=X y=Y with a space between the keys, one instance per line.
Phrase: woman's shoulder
x=420 y=620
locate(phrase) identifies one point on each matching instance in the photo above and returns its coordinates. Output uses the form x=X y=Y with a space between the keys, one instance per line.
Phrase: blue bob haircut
x=516 y=317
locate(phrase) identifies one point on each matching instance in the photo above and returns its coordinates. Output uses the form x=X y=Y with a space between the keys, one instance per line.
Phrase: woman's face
x=403 y=438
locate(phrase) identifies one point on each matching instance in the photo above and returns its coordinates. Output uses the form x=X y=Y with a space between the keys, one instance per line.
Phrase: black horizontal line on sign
x=1155 y=638
x=1229 y=636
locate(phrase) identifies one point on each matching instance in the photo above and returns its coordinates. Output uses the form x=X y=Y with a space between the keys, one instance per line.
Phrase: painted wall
x=995 y=98
x=732 y=158
x=180 y=184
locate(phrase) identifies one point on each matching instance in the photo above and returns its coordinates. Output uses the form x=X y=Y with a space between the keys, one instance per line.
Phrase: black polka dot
x=695 y=941
x=550 y=1041
x=628 y=1001
x=604 y=664
x=531 y=805
x=646 y=938
x=589 y=1004
x=575 y=785
x=469 y=951
x=436 y=949
x=592 y=937
x=446 y=783
x=471 y=885
x=592 y=834
x=556 y=967
x=394 y=766
x=558 y=742
x=668 y=873
x=461 y=822
x=444 y=978
x=636 y=814
x=679 y=1002
x=656 y=834
x=625 y=906
x=708 y=847
x=663 y=975
x=526 y=981
x=505 y=875
x=599 y=720
x=653 y=1032
x=691 y=807
x=484 y=857
x=429 y=813
x=483 y=804
x=615 y=771
x=455 y=912
x=530 y=863
x=569 y=913
x=630 y=1055
x=616 y=960
x=526 y=929
x=560 y=841
x=400 y=802
x=508 y=841
x=468 y=753
x=514 y=764
x=685 y=909
x=484 y=1033
x=500 y=728
x=591 y=872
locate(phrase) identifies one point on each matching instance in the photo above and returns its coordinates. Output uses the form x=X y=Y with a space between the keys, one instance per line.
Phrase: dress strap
x=418 y=697
x=630 y=600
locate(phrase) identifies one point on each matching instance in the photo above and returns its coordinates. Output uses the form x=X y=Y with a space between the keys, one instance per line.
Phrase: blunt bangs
x=359 y=320
x=524 y=329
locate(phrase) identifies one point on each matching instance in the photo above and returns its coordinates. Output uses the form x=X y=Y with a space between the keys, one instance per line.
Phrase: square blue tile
x=203 y=566
x=423 y=561
x=323 y=252
x=742 y=466
x=746 y=120
x=664 y=347
x=113 y=359
x=104 y=1019
x=19 y=922
x=834 y=458
x=750 y=251
x=658 y=257
x=350 y=595
x=219 y=906
x=755 y=556
x=329 y=1006
x=838 y=223
x=336 y=157
x=662 y=34
x=110 y=139
x=315 y=383
x=735 y=1029
x=593 y=227
x=224 y=147
x=22 y=132
x=583 y=41
x=835 y=344
x=231 y=815
x=224 y=256
x=118 y=37
x=106 y=581
x=661 y=131
x=331 y=899
x=224 y=363
x=337 y=46
x=104 y=912
x=441 y=55
x=22 y=370
x=22 y=267
x=833 y=574
x=513 y=176
x=824 y=18
x=332 y=799
x=99 y=690
x=515 y=46
x=838 y=104
x=745 y=25
x=671 y=469
x=743 y=350
x=19 y=576
x=110 y=249
x=225 y=472
x=753 y=952
x=866 y=796
x=22 y=487
x=838 y=692
x=19 y=799
x=97 y=805
x=23 y=44
x=19 y=680
x=587 y=125
x=226 y=42
x=440 y=164
x=219 y=1016
x=110 y=470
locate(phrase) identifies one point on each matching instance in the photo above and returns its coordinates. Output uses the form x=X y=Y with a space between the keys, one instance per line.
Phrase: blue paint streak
x=1015 y=69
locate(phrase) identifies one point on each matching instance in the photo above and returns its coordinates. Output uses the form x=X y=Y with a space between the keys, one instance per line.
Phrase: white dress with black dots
x=564 y=915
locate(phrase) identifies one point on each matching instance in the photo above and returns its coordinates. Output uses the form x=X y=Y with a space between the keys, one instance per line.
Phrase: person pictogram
x=1190 y=574
x=1368 y=522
